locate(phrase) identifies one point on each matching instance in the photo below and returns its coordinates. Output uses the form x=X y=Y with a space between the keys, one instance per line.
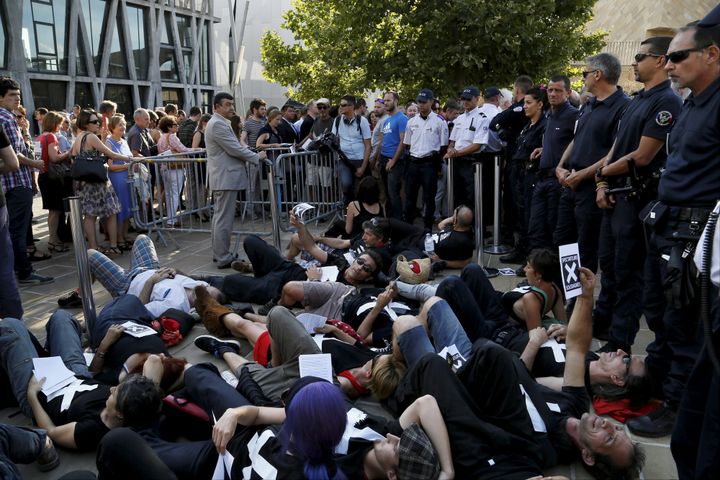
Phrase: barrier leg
x=274 y=208
x=450 y=189
x=496 y=248
x=81 y=260
x=479 y=225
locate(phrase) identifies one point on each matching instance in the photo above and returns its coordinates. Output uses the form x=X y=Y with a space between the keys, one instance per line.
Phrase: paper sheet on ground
x=300 y=209
x=311 y=321
x=316 y=365
x=55 y=373
x=570 y=270
x=329 y=274
x=137 y=330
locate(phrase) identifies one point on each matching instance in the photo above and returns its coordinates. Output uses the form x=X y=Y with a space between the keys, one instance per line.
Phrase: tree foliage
x=344 y=46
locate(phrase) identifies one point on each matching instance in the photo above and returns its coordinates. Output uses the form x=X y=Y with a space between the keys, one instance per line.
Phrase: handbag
x=413 y=271
x=89 y=165
x=56 y=170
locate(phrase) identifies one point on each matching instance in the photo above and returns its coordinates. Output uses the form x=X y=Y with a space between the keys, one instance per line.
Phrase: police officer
x=558 y=134
x=467 y=139
x=509 y=123
x=688 y=189
x=425 y=135
x=578 y=214
x=634 y=162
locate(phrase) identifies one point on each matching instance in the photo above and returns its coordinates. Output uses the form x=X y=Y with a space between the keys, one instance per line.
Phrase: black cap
x=711 y=19
x=470 y=92
x=425 y=95
x=492 y=92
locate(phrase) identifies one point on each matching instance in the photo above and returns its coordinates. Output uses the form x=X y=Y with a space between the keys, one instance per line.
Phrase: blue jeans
x=347 y=179
x=393 y=184
x=19 y=207
x=10 y=303
x=18 y=445
x=17 y=351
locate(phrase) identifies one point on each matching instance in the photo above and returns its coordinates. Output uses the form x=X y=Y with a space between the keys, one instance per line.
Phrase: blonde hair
x=386 y=377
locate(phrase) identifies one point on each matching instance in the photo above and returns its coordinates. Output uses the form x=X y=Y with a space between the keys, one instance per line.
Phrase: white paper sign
x=451 y=351
x=311 y=321
x=300 y=209
x=570 y=270
x=55 y=373
x=137 y=330
x=316 y=365
x=329 y=274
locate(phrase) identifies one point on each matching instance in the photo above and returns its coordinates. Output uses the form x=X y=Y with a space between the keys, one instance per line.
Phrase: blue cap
x=470 y=92
x=711 y=19
x=492 y=92
x=425 y=95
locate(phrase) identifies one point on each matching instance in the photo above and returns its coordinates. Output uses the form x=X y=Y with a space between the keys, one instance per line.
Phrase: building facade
x=134 y=52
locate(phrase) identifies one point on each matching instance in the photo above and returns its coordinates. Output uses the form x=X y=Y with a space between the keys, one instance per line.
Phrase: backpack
x=357 y=122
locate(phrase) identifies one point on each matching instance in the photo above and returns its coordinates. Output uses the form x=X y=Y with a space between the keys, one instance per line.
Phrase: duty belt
x=544 y=173
x=685 y=214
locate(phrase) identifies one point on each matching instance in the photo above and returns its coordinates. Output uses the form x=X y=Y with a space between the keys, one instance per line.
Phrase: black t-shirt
x=571 y=402
x=530 y=138
x=4 y=142
x=321 y=126
x=356 y=307
x=338 y=260
x=352 y=463
x=306 y=126
x=121 y=350
x=454 y=245
x=259 y=455
x=85 y=410
x=345 y=356
x=358 y=246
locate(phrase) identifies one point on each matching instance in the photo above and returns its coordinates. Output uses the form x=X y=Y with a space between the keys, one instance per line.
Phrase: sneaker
x=70 y=300
x=216 y=346
x=382 y=350
x=265 y=309
x=49 y=457
x=515 y=257
x=229 y=378
x=36 y=279
x=242 y=266
x=658 y=423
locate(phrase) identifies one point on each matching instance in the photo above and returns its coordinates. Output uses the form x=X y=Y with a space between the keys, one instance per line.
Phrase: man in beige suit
x=227 y=173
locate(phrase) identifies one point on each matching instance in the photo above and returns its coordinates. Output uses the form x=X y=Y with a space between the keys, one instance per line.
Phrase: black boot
x=249 y=388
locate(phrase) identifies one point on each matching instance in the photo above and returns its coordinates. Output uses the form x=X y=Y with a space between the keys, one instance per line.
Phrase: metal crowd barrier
x=309 y=177
x=169 y=194
x=83 y=266
x=479 y=225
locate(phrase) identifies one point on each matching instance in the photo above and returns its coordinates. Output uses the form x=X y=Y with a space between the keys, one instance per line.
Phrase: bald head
x=463 y=217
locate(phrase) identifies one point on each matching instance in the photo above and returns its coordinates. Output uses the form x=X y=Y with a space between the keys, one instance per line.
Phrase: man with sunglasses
x=353 y=134
x=635 y=159
x=323 y=121
x=688 y=189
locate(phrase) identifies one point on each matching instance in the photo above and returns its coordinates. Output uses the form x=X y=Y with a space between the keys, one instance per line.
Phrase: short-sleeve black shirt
x=692 y=172
x=454 y=245
x=530 y=138
x=259 y=454
x=651 y=114
x=596 y=128
x=572 y=402
x=559 y=132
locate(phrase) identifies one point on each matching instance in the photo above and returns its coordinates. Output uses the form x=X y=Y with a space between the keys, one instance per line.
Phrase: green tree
x=351 y=47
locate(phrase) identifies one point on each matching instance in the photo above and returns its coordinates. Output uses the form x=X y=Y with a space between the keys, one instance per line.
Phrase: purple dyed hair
x=314 y=426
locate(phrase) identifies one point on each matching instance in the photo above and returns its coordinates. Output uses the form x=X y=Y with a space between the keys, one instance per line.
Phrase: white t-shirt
x=167 y=293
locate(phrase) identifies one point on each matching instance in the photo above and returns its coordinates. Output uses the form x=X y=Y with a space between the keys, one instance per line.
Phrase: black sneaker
x=216 y=346
x=70 y=300
x=658 y=423
x=49 y=458
x=514 y=257
x=36 y=279
x=265 y=309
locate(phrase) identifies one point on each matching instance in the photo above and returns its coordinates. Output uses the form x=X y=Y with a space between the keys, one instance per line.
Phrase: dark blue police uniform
x=622 y=246
x=544 y=205
x=579 y=217
x=688 y=189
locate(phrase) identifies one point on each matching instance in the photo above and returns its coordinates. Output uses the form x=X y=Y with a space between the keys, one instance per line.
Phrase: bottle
x=429 y=244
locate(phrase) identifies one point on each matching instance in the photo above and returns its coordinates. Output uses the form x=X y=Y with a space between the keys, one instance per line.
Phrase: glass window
x=50 y=95
x=94 y=14
x=81 y=60
x=84 y=95
x=184 y=31
x=168 y=68
x=43 y=35
x=122 y=95
x=204 y=60
x=166 y=31
x=173 y=95
x=117 y=65
x=205 y=97
x=187 y=62
x=136 y=24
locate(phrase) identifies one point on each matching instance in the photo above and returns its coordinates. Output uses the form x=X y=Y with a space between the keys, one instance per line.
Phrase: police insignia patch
x=664 y=118
x=518 y=109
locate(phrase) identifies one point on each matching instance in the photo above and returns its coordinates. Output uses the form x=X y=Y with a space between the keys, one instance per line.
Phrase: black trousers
x=271 y=272
x=124 y=454
x=578 y=219
x=421 y=173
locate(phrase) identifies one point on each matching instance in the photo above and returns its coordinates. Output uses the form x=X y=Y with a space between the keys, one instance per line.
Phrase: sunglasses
x=639 y=57
x=626 y=360
x=585 y=74
x=364 y=264
x=322 y=107
x=682 y=55
x=344 y=104
x=96 y=122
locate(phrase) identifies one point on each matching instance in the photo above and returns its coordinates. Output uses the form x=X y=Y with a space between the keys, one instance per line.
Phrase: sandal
x=34 y=256
x=111 y=251
x=125 y=246
x=59 y=247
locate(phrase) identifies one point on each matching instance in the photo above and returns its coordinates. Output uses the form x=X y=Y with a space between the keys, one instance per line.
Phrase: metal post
x=83 y=267
x=275 y=217
x=479 y=225
x=496 y=248
x=450 y=191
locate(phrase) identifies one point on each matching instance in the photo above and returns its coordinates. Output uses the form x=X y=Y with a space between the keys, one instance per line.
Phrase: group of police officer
x=634 y=179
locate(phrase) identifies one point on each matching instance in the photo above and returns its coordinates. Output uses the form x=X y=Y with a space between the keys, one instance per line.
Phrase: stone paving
x=194 y=256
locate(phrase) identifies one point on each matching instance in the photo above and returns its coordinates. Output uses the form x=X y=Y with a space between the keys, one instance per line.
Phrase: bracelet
x=100 y=354
x=601 y=185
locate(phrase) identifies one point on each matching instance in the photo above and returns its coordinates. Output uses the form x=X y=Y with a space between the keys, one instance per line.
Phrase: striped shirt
x=22 y=176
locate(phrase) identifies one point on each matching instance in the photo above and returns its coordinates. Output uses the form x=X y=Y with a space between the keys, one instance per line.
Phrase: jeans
x=18 y=445
x=420 y=173
x=543 y=213
x=393 y=183
x=347 y=179
x=124 y=454
x=19 y=207
x=17 y=351
x=10 y=303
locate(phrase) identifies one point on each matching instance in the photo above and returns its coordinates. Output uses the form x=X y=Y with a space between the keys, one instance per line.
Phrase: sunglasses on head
x=380 y=100
x=682 y=55
x=364 y=264
x=639 y=57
